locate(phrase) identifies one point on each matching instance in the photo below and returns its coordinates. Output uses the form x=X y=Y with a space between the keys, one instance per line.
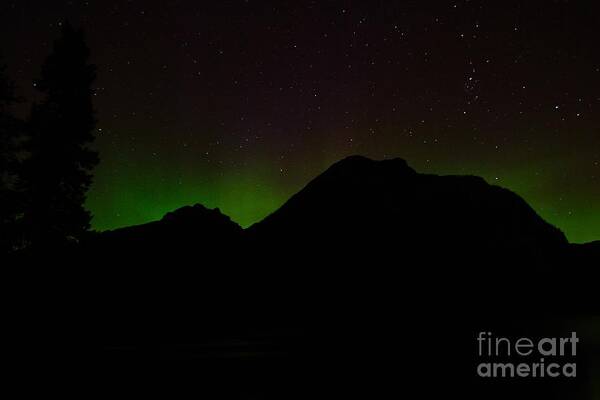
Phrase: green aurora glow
x=145 y=193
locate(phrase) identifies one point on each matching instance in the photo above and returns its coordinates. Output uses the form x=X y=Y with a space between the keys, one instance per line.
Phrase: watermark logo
x=535 y=358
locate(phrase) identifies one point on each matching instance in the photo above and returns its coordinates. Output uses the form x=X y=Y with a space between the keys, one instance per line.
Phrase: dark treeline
x=45 y=161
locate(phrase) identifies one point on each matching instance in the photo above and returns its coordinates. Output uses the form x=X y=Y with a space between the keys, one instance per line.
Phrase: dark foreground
x=373 y=281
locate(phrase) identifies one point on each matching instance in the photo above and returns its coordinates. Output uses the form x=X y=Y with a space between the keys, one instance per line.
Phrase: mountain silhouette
x=368 y=222
x=370 y=266
x=177 y=231
x=386 y=203
x=372 y=204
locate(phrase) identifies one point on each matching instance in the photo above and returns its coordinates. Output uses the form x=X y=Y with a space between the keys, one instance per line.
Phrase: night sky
x=238 y=104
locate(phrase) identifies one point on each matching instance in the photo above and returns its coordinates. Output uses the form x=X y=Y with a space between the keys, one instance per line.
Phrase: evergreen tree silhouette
x=11 y=131
x=58 y=170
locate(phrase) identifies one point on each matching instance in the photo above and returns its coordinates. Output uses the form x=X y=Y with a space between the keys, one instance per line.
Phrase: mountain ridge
x=375 y=208
x=353 y=167
x=367 y=257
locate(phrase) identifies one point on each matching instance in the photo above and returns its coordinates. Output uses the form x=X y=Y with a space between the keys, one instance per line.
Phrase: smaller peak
x=199 y=214
x=195 y=211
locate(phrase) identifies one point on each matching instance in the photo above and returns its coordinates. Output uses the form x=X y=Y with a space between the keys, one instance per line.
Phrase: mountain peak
x=358 y=199
x=195 y=213
x=361 y=164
